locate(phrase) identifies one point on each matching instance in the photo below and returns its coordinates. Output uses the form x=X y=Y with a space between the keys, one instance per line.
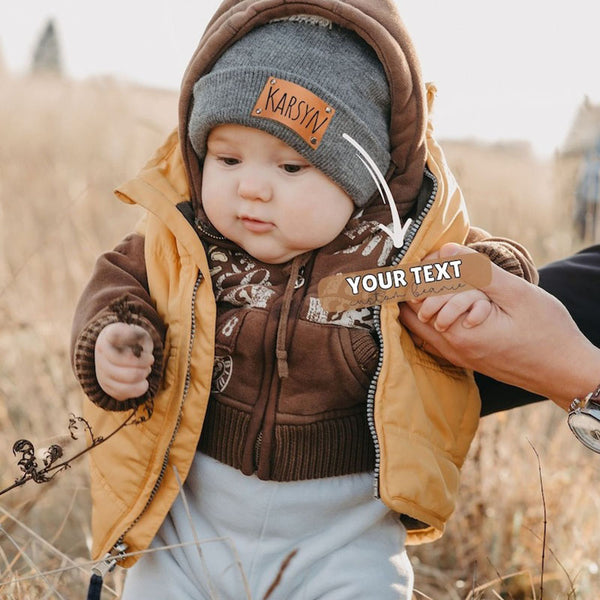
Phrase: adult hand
x=123 y=358
x=528 y=340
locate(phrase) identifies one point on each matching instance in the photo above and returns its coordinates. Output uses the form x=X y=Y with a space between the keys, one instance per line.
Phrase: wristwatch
x=584 y=419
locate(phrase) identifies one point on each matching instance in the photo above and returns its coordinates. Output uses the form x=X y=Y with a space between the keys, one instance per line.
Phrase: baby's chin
x=274 y=260
x=277 y=257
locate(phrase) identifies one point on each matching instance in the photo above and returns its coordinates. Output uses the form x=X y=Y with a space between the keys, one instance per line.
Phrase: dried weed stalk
x=28 y=463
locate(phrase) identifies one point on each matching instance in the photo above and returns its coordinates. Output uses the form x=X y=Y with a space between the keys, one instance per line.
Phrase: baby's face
x=264 y=196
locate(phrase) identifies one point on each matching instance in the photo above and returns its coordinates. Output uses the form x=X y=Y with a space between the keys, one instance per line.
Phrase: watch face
x=585 y=424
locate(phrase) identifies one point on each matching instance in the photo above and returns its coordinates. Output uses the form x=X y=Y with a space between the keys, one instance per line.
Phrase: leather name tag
x=295 y=107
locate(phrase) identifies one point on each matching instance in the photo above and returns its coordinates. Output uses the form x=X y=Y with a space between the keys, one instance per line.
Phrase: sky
x=518 y=69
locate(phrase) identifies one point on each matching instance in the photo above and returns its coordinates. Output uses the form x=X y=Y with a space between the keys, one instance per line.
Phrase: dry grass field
x=65 y=145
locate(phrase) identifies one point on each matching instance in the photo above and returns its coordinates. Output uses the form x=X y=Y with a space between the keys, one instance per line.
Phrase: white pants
x=349 y=545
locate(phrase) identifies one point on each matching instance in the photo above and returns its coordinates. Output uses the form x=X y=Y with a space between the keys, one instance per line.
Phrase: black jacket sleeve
x=575 y=281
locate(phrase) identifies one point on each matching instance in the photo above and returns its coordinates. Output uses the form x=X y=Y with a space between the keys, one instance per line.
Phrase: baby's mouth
x=256 y=225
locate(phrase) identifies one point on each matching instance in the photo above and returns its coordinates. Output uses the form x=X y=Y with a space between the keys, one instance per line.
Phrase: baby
x=324 y=438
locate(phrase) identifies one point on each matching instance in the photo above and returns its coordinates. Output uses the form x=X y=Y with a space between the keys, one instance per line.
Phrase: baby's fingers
x=431 y=306
x=125 y=345
x=127 y=375
x=457 y=305
x=124 y=391
x=133 y=338
x=479 y=312
x=119 y=382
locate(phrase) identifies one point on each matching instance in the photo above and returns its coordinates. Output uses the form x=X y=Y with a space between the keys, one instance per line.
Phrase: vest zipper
x=257 y=445
x=410 y=235
x=117 y=551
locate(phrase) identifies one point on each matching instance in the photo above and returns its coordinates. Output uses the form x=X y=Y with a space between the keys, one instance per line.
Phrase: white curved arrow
x=398 y=230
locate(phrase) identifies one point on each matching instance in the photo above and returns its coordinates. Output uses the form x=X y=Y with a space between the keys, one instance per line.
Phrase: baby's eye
x=293 y=168
x=228 y=160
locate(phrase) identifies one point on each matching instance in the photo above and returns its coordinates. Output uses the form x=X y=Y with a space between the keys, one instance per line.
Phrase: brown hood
x=379 y=24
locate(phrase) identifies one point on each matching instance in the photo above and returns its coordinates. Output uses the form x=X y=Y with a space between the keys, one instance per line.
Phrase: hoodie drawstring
x=281 y=342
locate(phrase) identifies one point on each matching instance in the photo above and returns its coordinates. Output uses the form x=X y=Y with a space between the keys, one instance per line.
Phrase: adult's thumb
x=452 y=249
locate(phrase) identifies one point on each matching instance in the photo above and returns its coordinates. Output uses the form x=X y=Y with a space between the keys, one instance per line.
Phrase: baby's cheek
x=215 y=210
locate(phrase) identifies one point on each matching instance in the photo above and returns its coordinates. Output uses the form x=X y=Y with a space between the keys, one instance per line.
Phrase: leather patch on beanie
x=295 y=107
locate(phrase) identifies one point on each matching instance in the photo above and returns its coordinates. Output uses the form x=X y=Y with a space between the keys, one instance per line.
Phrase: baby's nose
x=254 y=186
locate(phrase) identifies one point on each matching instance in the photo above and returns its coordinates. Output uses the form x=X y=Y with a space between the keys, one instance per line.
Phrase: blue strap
x=95 y=588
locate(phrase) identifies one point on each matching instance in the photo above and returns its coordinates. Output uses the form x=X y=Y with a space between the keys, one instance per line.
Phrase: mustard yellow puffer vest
x=425 y=415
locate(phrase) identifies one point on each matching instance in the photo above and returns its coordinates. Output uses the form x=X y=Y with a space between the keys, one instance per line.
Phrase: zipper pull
x=105 y=566
x=110 y=560
x=300 y=280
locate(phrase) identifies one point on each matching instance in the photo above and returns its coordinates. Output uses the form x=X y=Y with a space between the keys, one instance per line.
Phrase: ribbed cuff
x=84 y=363
x=500 y=255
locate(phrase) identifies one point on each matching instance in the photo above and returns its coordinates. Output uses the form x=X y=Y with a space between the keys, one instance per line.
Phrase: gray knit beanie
x=306 y=82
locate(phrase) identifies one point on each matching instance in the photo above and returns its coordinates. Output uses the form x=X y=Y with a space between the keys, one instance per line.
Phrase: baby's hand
x=474 y=305
x=123 y=357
